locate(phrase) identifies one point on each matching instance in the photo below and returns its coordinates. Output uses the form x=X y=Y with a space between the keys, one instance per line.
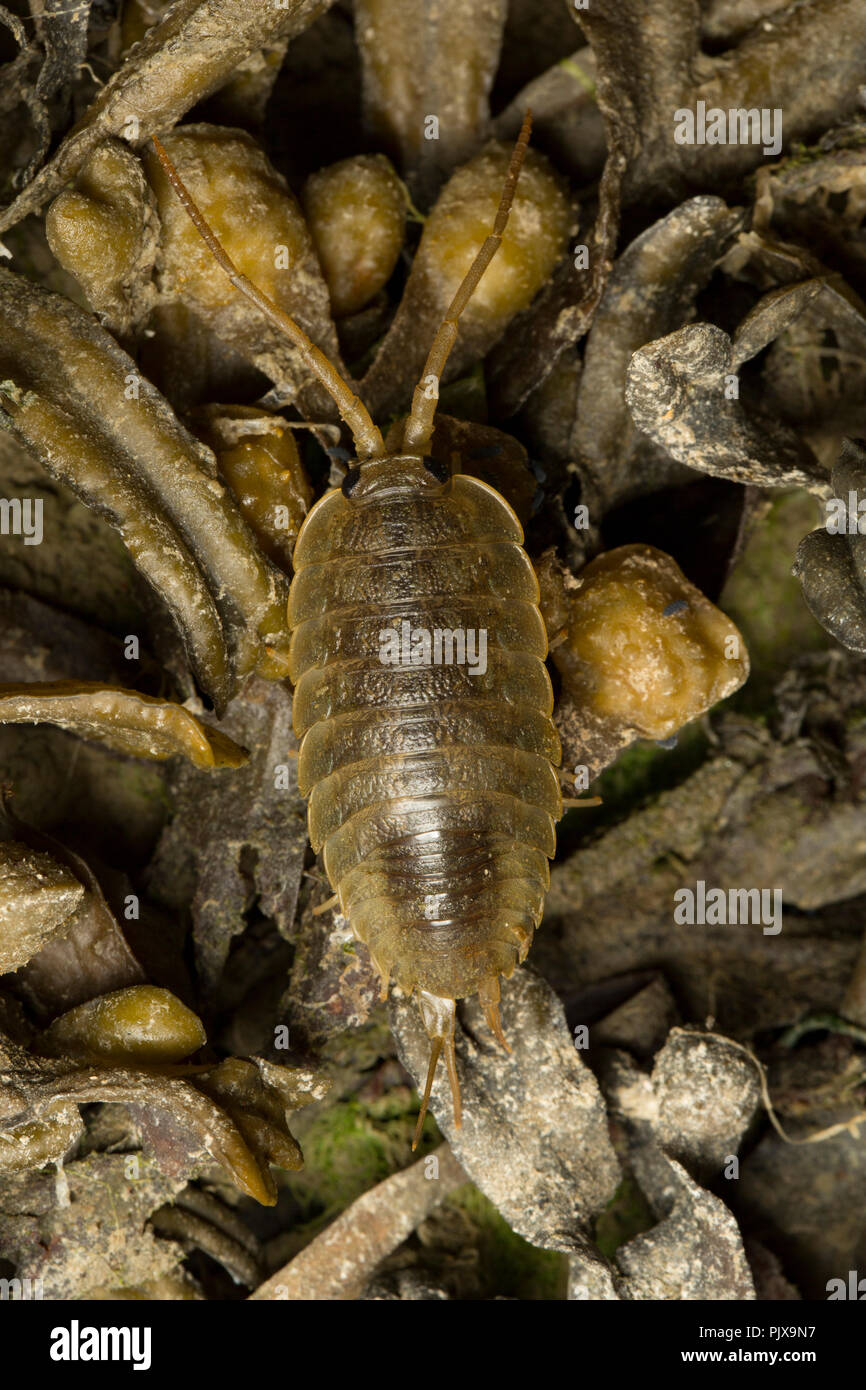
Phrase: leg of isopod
x=431 y=779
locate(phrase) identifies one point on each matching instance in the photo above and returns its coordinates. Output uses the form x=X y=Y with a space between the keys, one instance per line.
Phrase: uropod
x=433 y=791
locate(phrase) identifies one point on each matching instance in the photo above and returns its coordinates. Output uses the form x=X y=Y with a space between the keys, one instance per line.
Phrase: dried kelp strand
x=54 y=352
x=194 y=1232
x=125 y=720
x=62 y=31
x=565 y=116
x=243 y=98
x=377 y=1223
x=651 y=291
x=771 y=315
x=18 y=87
x=565 y=308
x=90 y=467
x=679 y=393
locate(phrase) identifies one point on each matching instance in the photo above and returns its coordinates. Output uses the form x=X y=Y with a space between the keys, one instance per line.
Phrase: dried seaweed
x=367 y=1232
x=39 y=896
x=831 y=562
x=540 y=1088
x=232 y=180
x=651 y=291
x=679 y=393
x=88 y=1234
x=89 y=956
x=451 y=51
x=561 y=316
x=103 y=230
x=566 y=121
x=815 y=52
x=19 y=88
x=453 y=232
x=122 y=719
x=236 y=843
x=85 y=420
x=188 y=55
x=695 y=1250
x=233 y=1113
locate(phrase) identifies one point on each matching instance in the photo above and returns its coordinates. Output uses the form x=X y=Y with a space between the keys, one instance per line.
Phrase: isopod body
x=431 y=777
x=432 y=786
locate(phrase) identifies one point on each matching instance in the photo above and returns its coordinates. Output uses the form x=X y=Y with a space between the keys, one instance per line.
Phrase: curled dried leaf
x=548 y=1193
x=125 y=720
x=236 y=843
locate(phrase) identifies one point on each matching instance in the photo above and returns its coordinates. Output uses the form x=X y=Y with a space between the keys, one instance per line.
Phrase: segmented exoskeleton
x=432 y=787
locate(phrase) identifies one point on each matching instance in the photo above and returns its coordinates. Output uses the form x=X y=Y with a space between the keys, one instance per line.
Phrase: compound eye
x=350 y=481
x=440 y=471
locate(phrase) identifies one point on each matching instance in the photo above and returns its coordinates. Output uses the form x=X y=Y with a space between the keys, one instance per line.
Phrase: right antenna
x=419 y=426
